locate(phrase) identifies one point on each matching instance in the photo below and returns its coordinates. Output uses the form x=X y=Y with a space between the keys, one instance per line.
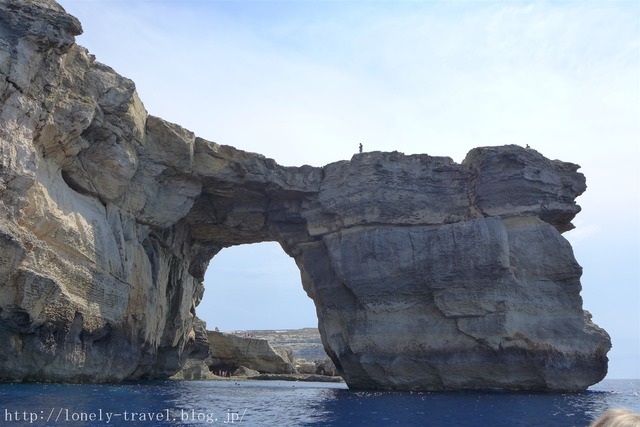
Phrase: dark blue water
x=266 y=403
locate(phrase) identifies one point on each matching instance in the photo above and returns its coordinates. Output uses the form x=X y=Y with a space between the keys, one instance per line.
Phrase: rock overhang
x=426 y=273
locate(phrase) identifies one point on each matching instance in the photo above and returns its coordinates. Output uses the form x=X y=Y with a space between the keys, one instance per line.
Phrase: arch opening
x=255 y=286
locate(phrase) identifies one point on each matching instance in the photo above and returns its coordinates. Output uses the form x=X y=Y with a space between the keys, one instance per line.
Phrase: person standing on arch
x=360 y=147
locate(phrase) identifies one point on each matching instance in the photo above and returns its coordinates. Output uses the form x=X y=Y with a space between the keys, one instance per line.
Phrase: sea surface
x=281 y=403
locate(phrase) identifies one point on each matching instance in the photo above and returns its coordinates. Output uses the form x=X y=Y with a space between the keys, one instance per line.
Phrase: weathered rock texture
x=196 y=366
x=250 y=353
x=426 y=274
x=304 y=343
x=228 y=352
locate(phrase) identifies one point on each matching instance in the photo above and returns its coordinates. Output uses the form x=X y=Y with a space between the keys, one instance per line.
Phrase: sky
x=304 y=82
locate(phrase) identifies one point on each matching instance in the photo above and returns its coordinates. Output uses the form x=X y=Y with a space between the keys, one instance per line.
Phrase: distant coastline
x=284 y=354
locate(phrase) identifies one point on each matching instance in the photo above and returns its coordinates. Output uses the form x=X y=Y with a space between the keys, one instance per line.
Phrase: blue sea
x=281 y=403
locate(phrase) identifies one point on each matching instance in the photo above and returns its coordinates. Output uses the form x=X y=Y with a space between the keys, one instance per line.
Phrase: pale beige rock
x=228 y=352
x=303 y=366
x=194 y=369
x=304 y=343
x=426 y=274
x=243 y=371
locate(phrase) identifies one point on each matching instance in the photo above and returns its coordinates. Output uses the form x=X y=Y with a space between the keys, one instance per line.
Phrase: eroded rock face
x=228 y=352
x=426 y=274
x=477 y=290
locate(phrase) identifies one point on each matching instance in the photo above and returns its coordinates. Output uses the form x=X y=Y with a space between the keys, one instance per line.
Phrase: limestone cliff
x=304 y=343
x=229 y=352
x=426 y=274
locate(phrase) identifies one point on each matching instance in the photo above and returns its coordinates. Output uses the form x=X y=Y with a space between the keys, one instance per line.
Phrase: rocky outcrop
x=304 y=343
x=426 y=274
x=471 y=286
x=325 y=367
x=194 y=369
x=309 y=356
x=251 y=353
x=196 y=365
x=229 y=352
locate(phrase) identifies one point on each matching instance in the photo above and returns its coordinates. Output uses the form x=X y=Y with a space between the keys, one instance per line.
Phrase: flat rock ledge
x=426 y=274
x=241 y=355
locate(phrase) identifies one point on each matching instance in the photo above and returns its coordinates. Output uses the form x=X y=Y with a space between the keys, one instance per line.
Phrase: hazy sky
x=304 y=82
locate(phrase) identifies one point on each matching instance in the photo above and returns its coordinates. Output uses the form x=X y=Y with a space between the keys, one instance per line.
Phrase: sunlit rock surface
x=229 y=352
x=426 y=274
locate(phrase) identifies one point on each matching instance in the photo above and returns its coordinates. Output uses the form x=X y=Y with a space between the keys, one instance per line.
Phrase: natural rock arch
x=426 y=274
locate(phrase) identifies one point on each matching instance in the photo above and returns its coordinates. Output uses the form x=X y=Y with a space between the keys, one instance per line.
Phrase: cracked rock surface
x=426 y=274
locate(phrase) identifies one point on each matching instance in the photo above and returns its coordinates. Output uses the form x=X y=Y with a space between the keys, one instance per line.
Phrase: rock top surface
x=229 y=351
x=304 y=343
x=426 y=274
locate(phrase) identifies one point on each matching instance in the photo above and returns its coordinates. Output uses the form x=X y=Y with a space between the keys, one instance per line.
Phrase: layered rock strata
x=425 y=273
x=229 y=352
x=251 y=353
x=304 y=343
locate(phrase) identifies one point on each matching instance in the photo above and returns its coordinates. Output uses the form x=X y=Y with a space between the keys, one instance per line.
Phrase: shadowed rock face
x=426 y=274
